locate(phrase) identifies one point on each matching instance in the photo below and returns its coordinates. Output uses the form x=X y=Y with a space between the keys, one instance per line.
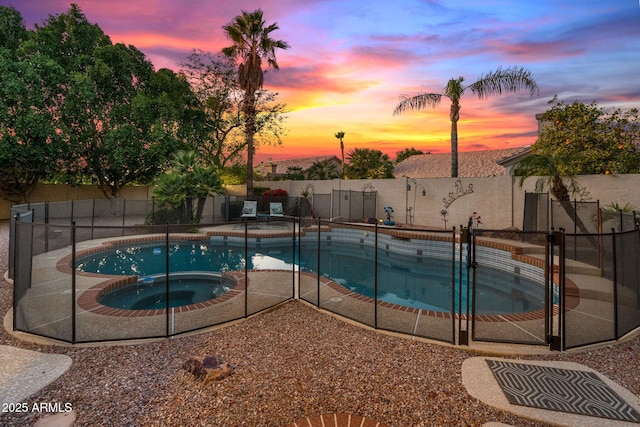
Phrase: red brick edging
x=88 y=300
x=337 y=420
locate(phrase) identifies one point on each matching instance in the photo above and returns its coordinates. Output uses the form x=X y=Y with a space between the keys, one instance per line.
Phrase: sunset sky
x=350 y=60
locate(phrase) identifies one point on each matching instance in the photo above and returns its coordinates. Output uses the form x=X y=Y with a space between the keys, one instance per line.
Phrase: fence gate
x=519 y=304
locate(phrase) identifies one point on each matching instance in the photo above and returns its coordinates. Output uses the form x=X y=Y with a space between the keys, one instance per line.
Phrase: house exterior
x=471 y=164
x=273 y=170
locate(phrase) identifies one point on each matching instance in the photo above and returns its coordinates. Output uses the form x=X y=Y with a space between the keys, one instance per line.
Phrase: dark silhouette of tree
x=252 y=46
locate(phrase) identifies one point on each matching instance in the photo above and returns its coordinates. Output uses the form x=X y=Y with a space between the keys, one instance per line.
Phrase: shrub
x=275 y=193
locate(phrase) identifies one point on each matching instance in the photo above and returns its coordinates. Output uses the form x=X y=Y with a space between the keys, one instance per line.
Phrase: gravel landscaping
x=289 y=363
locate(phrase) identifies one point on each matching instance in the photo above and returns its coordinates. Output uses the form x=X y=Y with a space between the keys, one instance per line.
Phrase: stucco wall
x=498 y=200
x=491 y=198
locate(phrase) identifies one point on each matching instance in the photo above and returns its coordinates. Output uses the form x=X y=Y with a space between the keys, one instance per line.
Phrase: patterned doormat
x=565 y=390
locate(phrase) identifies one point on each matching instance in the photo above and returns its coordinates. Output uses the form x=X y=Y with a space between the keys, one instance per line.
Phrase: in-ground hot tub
x=150 y=293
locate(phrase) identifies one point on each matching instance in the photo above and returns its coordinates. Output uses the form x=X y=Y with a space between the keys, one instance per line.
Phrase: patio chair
x=249 y=210
x=275 y=209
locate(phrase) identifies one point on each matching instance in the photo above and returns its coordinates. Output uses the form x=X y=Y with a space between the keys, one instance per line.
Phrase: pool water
x=418 y=282
x=424 y=283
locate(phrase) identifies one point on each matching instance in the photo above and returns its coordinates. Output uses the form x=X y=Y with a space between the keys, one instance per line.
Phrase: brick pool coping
x=88 y=300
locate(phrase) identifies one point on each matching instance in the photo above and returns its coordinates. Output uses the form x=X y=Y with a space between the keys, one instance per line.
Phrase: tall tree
x=112 y=120
x=69 y=38
x=510 y=79
x=340 y=136
x=581 y=139
x=589 y=139
x=214 y=80
x=252 y=46
x=12 y=29
x=119 y=118
x=30 y=145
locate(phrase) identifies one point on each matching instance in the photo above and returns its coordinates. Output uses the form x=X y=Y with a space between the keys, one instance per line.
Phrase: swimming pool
x=423 y=282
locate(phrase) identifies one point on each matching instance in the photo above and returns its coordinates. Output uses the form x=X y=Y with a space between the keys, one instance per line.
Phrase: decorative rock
x=208 y=368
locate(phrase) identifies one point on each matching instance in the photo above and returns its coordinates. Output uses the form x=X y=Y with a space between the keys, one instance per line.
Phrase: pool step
x=571 y=266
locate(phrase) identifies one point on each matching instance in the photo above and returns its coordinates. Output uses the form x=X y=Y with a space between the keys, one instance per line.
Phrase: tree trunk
x=109 y=191
x=558 y=189
x=250 y=116
x=454 y=149
x=200 y=209
x=454 y=116
x=342 y=154
x=187 y=214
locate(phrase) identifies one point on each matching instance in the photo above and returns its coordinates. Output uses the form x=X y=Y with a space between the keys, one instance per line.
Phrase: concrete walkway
x=481 y=383
x=25 y=372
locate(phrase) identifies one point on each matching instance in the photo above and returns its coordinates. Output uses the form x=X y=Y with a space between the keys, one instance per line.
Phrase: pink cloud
x=529 y=52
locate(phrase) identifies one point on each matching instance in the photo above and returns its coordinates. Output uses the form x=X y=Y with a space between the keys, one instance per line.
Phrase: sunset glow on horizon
x=350 y=61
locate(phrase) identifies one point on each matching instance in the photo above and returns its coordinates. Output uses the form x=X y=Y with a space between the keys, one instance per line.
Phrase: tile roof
x=470 y=164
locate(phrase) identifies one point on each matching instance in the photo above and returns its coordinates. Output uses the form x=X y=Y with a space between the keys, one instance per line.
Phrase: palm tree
x=340 y=136
x=252 y=46
x=510 y=79
x=187 y=186
x=323 y=169
x=547 y=169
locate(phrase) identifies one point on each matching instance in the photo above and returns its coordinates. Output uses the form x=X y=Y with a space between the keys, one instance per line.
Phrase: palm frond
x=417 y=102
x=534 y=165
x=509 y=79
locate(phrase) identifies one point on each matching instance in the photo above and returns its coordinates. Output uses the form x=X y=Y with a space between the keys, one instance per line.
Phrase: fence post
x=375 y=277
x=73 y=282
x=15 y=266
x=293 y=260
x=615 y=283
x=318 y=272
x=246 y=269
x=46 y=226
x=166 y=278
x=471 y=276
x=558 y=343
x=463 y=336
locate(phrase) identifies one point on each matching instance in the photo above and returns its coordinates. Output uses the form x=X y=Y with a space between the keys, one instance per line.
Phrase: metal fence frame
x=614 y=269
x=60 y=309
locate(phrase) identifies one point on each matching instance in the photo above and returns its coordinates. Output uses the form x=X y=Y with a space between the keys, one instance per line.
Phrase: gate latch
x=554 y=238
